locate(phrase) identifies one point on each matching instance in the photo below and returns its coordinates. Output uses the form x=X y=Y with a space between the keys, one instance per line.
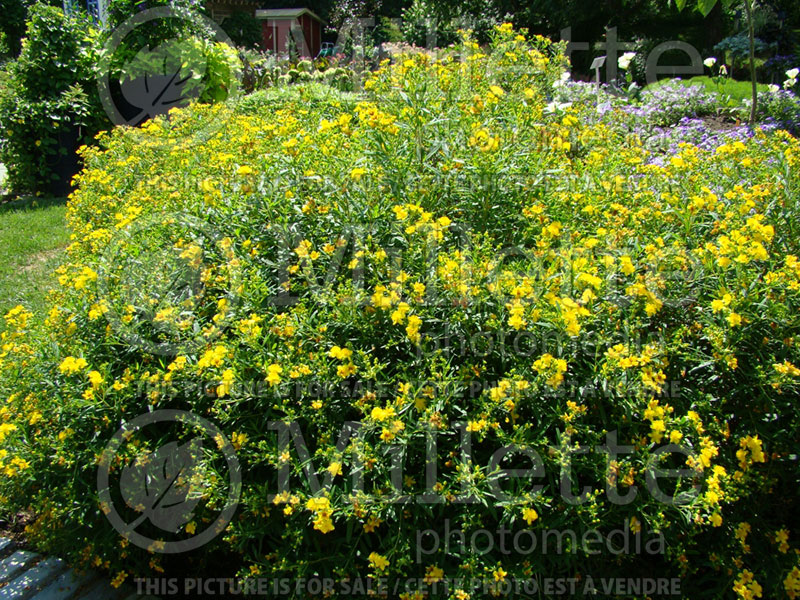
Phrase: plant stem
x=753 y=108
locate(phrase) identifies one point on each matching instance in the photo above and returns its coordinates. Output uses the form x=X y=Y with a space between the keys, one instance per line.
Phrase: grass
x=737 y=90
x=33 y=235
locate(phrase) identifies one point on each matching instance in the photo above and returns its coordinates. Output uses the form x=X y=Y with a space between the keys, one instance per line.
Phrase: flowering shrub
x=49 y=107
x=669 y=102
x=472 y=283
x=781 y=107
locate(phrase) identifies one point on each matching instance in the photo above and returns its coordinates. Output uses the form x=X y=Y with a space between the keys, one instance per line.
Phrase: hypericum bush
x=470 y=281
x=49 y=106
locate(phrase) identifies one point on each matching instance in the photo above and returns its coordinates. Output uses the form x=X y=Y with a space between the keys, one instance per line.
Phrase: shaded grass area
x=737 y=90
x=33 y=235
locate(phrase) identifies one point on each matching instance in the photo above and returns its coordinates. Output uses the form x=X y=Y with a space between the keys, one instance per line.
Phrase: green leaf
x=705 y=6
x=680 y=4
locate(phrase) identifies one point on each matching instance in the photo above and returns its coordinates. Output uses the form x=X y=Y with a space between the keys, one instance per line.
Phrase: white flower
x=557 y=107
x=562 y=80
x=790 y=82
x=624 y=61
x=723 y=70
x=792 y=73
x=710 y=61
x=773 y=88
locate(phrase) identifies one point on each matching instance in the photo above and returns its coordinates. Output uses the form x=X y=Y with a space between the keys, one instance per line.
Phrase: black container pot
x=66 y=163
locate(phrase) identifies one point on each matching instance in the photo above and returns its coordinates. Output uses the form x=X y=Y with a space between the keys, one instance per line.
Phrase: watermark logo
x=167 y=283
x=151 y=480
x=163 y=58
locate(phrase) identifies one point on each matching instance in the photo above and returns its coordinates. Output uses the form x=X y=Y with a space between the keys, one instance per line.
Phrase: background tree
x=12 y=23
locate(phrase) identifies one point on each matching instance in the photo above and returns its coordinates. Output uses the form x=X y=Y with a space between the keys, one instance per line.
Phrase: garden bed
x=470 y=250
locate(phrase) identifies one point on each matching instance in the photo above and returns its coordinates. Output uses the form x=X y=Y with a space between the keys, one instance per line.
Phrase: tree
x=12 y=24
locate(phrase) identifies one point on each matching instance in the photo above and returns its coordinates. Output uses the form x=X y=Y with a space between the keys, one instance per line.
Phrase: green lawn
x=33 y=235
x=737 y=90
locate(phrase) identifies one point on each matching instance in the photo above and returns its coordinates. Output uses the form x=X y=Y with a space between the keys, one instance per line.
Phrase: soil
x=719 y=123
x=14 y=529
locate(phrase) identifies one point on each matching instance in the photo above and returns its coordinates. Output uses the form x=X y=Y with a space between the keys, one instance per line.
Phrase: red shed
x=278 y=23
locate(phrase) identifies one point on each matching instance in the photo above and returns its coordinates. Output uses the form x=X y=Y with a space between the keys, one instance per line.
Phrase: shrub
x=443 y=252
x=49 y=107
x=670 y=101
x=185 y=25
x=186 y=44
x=223 y=71
x=12 y=26
x=781 y=107
x=736 y=48
x=424 y=18
x=263 y=70
x=776 y=66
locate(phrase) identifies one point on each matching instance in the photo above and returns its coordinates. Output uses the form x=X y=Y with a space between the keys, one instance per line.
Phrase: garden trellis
x=98 y=9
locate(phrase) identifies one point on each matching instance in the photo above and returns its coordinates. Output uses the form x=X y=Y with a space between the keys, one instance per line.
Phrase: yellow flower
x=71 y=365
x=636 y=525
x=118 y=579
x=274 y=374
x=657 y=431
x=792 y=583
x=378 y=562
x=372 y=524
x=317 y=504
x=95 y=378
x=433 y=574
x=340 y=353
x=323 y=522
x=345 y=371
x=782 y=539
x=412 y=329
x=399 y=315
x=212 y=358
x=303 y=250
x=238 y=440
x=5 y=429
x=530 y=515
x=382 y=414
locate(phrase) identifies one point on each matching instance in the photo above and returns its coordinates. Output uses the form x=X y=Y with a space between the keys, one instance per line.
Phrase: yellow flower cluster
x=749 y=452
x=554 y=369
x=321 y=507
